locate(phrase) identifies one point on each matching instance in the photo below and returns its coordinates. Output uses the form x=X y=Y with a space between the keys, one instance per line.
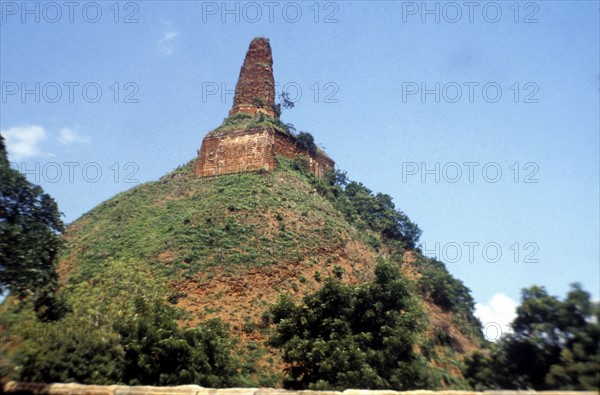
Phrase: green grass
x=243 y=121
x=184 y=225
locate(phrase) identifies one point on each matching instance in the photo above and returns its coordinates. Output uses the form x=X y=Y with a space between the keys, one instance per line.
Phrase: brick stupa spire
x=249 y=144
x=255 y=90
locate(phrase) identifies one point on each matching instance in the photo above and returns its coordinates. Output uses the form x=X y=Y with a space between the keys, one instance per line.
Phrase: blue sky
x=482 y=121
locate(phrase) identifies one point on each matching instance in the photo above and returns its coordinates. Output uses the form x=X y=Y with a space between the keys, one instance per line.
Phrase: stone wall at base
x=252 y=150
x=13 y=387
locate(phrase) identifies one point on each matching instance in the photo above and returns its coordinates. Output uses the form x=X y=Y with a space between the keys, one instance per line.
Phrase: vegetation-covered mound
x=215 y=255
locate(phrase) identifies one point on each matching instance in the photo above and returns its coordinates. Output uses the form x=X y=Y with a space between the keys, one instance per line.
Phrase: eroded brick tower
x=252 y=136
x=255 y=90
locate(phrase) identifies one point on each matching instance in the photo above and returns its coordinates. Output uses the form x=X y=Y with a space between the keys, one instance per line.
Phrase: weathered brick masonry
x=255 y=90
x=242 y=150
x=252 y=150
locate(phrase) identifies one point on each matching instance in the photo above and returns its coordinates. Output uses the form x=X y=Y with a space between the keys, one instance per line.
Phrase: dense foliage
x=182 y=228
x=305 y=141
x=555 y=345
x=284 y=102
x=241 y=121
x=378 y=213
x=29 y=238
x=353 y=337
x=440 y=287
x=363 y=208
x=121 y=330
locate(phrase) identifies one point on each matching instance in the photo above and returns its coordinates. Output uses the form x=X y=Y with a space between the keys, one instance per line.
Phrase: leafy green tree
x=122 y=330
x=306 y=141
x=479 y=371
x=284 y=102
x=555 y=345
x=364 y=209
x=489 y=369
x=380 y=214
x=438 y=285
x=30 y=228
x=70 y=350
x=353 y=337
x=158 y=352
x=579 y=362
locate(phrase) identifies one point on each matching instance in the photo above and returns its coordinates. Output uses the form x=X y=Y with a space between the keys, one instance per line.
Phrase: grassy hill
x=227 y=247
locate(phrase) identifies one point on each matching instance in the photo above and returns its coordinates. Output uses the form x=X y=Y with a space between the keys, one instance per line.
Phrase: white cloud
x=166 y=45
x=69 y=136
x=496 y=316
x=23 y=142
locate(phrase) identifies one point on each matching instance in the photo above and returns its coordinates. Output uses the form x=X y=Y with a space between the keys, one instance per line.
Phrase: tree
x=480 y=373
x=437 y=285
x=364 y=209
x=306 y=141
x=380 y=214
x=353 y=337
x=69 y=350
x=158 y=352
x=555 y=344
x=284 y=102
x=30 y=227
x=121 y=330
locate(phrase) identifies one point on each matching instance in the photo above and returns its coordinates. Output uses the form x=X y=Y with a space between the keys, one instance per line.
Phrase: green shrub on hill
x=121 y=330
x=439 y=286
x=346 y=336
x=555 y=346
x=206 y=224
x=361 y=207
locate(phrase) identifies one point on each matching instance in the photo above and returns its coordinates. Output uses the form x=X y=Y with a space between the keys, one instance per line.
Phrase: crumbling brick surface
x=255 y=90
x=286 y=146
x=235 y=152
x=253 y=150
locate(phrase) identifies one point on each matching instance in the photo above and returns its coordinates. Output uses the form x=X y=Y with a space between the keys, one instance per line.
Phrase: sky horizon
x=481 y=121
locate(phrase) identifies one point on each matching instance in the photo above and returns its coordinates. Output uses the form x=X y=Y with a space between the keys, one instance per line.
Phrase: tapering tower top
x=255 y=90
